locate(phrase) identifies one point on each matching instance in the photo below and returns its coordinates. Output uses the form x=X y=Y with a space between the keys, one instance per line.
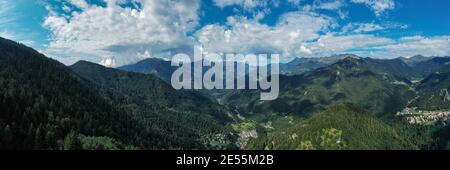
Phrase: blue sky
x=117 y=32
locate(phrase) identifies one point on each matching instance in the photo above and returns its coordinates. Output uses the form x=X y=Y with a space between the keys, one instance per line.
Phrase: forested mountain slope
x=352 y=80
x=342 y=126
x=186 y=115
x=46 y=105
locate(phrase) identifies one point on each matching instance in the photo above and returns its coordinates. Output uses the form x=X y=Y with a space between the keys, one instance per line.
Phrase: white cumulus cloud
x=362 y=27
x=121 y=31
x=247 y=4
x=249 y=36
x=414 y=45
x=378 y=6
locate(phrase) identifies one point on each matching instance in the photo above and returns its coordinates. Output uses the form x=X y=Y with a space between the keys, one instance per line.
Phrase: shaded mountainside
x=45 y=105
x=351 y=80
x=431 y=66
x=302 y=65
x=147 y=90
x=433 y=91
x=412 y=61
x=185 y=115
x=393 y=67
x=158 y=67
x=340 y=127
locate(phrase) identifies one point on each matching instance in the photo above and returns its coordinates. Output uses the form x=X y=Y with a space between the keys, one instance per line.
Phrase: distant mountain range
x=302 y=65
x=158 y=67
x=352 y=80
x=415 y=67
x=412 y=61
x=336 y=102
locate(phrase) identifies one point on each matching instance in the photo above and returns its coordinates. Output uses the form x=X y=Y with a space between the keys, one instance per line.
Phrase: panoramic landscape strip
x=224 y=75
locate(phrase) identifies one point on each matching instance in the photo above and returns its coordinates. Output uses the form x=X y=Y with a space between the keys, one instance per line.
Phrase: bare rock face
x=444 y=93
x=244 y=136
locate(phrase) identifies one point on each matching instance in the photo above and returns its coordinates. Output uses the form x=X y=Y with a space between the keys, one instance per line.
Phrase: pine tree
x=49 y=140
x=7 y=136
x=1 y=135
x=70 y=141
x=38 y=139
x=28 y=143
